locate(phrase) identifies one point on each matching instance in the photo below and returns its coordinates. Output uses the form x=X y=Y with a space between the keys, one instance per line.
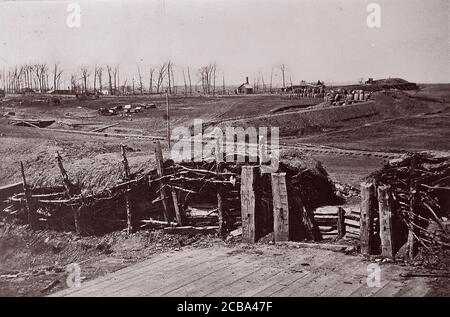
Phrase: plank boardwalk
x=259 y=270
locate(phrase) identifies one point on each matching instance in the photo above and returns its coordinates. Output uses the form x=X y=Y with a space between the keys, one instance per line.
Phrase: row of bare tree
x=39 y=77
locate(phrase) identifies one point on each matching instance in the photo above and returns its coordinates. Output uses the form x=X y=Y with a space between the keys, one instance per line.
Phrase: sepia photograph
x=225 y=153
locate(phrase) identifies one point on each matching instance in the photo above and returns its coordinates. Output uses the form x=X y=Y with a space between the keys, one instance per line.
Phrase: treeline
x=107 y=79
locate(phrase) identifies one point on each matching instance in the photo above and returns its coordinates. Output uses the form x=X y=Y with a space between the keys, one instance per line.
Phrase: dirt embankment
x=323 y=119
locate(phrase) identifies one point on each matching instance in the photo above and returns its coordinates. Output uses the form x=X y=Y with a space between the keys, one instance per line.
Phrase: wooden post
x=280 y=207
x=168 y=119
x=31 y=210
x=67 y=183
x=341 y=223
x=220 y=211
x=70 y=191
x=128 y=203
x=250 y=176
x=368 y=209
x=78 y=219
x=413 y=199
x=385 y=210
x=176 y=206
x=164 y=191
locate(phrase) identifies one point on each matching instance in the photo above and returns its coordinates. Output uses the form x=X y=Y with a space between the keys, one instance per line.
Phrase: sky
x=316 y=39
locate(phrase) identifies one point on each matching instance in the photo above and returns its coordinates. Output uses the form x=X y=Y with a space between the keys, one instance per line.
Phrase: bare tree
x=207 y=78
x=115 y=75
x=189 y=78
x=214 y=79
x=141 y=84
x=271 y=77
x=283 y=73
x=97 y=74
x=124 y=86
x=84 y=76
x=161 y=76
x=263 y=83
x=73 y=82
x=223 y=83
x=150 y=89
x=185 y=84
x=169 y=75
x=56 y=76
x=109 y=69
x=100 y=78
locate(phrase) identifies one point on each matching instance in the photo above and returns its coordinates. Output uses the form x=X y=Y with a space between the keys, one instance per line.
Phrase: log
x=66 y=181
x=386 y=211
x=128 y=203
x=280 y=207
x=31 y=210
x=191 y=230
x=105 y=127
x=158 y=222
x=250 y=195
x=176 y=206
x=221 y=215
x=341 y=223
x=368 y=210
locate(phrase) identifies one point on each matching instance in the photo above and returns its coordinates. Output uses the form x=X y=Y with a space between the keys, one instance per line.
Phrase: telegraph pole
x=168 y=118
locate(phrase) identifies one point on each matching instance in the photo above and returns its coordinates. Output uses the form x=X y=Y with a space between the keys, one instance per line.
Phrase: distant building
x=245 y=88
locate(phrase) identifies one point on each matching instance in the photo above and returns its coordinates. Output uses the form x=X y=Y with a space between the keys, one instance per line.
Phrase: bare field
x=393 y=122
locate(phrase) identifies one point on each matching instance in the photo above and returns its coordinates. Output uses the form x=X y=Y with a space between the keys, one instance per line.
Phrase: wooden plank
x=280 y=207
x=250 y=176
x=385 y=209
x=368 y=210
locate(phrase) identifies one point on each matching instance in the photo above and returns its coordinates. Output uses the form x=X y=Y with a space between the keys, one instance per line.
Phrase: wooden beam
x=128 y=202
x=385 y=209
x=280 y=207
x=368 y=210
x=250 y=177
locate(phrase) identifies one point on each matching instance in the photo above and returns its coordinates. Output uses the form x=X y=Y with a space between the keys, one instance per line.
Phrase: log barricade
x=406 y=206
x=135 y=201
